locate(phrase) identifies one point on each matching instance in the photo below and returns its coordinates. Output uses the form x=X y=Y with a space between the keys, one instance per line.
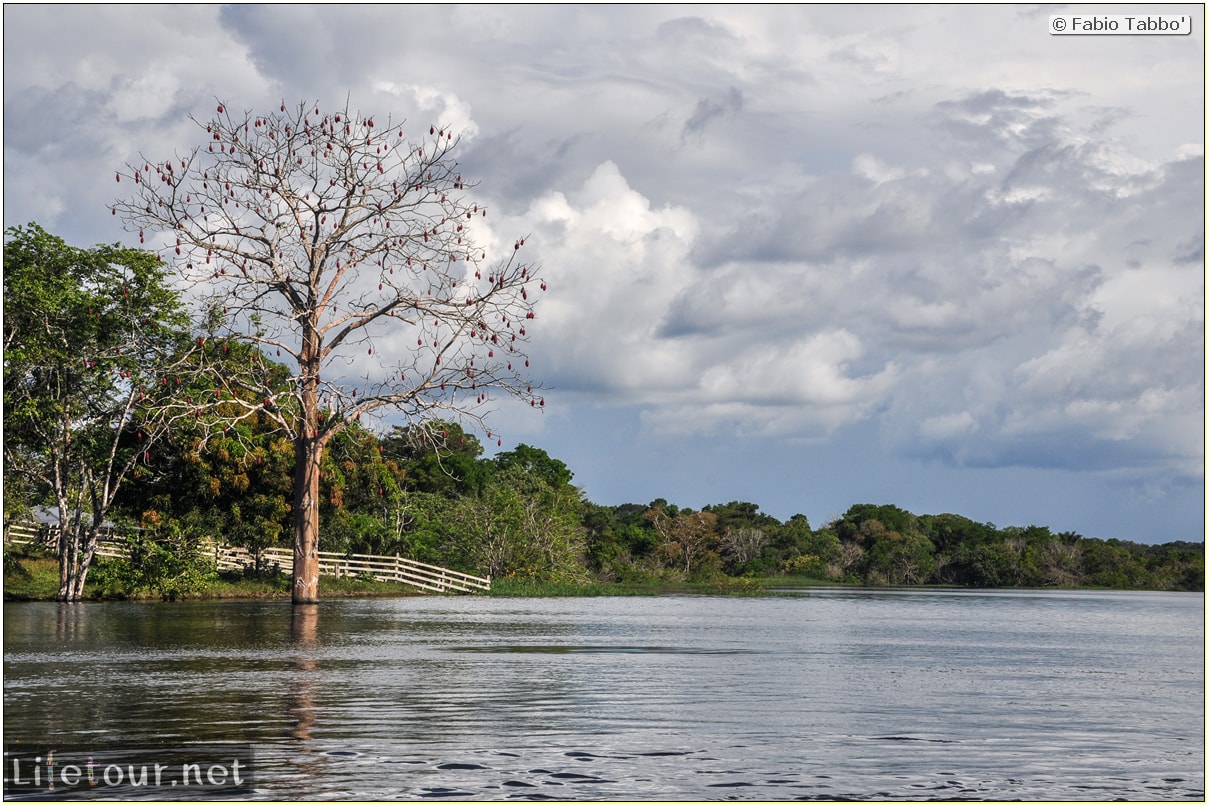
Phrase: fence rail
x=332 y=564
x=381 y=567
x=23 y=533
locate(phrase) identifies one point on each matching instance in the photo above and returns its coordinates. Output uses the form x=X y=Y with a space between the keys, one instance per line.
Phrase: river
x=816 y=694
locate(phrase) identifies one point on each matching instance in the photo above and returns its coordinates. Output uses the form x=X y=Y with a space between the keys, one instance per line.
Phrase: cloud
x=445 y=109
x=1011 y=286
x=89 y=88
x=613 y=263
x=708 y=109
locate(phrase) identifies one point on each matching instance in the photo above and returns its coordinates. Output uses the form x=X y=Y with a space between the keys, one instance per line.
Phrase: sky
x=802 y=256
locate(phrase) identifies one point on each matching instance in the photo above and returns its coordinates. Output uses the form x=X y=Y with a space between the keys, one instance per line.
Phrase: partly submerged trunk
x=308 y=452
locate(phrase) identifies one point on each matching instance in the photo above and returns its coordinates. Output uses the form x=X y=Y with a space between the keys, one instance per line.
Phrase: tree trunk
x=83 y=564
x=308 y=452
x=68 y=544
x=308 y=455
x=77 y=547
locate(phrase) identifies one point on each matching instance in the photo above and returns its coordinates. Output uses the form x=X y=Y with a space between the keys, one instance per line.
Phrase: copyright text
x=1120 y=24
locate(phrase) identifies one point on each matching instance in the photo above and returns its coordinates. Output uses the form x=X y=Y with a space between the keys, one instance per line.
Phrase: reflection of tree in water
x=304 y=627
x=67 y=622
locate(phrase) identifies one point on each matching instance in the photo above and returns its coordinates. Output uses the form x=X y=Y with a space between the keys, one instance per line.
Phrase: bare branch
x=336 y=241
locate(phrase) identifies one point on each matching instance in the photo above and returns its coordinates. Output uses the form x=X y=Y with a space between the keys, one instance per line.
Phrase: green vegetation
x=516 y=517
x=84 y=332
x=34 y=576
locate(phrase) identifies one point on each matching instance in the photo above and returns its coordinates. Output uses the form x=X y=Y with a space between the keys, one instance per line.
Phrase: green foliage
x=520 y=526
x=170 y=565
x=537 y=462
x=438 y=458
x=86 y=334
x=233 y=485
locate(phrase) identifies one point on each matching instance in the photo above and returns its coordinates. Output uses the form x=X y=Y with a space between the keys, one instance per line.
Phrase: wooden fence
x=48 y=536
x=333 y=564
x=387 y=569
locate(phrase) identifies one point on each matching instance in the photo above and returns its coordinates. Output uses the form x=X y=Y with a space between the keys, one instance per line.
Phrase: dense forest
x=107 y=415
x=518 y=515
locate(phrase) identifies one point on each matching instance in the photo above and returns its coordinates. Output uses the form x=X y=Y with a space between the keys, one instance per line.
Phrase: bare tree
x=684 y=537
x=742 y=545
x=342 y=247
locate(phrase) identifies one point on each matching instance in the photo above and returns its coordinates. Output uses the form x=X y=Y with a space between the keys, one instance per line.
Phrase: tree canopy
x=89 y=334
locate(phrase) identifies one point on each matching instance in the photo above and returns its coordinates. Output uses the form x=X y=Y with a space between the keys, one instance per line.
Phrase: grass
x=723 y=586
x=30 y=578
x=795 y=582
x=34 y=576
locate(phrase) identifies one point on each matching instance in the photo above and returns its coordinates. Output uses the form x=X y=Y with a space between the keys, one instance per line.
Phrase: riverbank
x=36 y=578
x=33 y=578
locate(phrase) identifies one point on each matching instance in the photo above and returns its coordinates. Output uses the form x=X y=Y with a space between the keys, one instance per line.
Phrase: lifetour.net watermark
x=128 y=773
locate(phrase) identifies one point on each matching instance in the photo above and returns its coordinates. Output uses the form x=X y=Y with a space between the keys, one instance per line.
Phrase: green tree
x=363 y=495
x=440 y=458
x=535 y=460
x=896 y=558
x=1111 y=564
x=224 y=471
x=992 y=565
x=1178 y=565
x=331 y=240
x=746 y=537
x=794 y=537
x=686 y=538
x=521 y=526
x=87 y=336
x=886 y=545
x=619 y=541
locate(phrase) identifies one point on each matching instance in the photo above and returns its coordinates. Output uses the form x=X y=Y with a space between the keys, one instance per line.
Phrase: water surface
x=824 y=694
